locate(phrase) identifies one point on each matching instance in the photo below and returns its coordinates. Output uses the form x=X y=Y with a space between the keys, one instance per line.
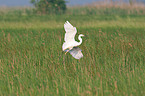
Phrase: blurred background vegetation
x=59 y=7
x=49 y=6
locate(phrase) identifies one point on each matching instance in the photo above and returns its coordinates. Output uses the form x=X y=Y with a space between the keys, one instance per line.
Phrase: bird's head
x=81 y=35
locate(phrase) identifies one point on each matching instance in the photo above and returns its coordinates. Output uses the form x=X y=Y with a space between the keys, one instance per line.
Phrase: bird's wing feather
x=70 y=32
x=76 y=53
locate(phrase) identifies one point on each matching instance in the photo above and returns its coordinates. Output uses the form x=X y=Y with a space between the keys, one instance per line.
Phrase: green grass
x=32 y=62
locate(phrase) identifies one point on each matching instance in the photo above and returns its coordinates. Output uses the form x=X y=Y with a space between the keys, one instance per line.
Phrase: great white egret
x=70 y=45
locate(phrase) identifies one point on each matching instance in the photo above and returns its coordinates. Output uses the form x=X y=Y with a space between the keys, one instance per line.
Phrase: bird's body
x=70 y=44
x=67 y=45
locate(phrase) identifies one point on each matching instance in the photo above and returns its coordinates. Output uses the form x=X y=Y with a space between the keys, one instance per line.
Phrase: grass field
x=32 y=62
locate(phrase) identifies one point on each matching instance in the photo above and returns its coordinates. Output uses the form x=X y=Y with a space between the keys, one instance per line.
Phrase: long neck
x=80 y=39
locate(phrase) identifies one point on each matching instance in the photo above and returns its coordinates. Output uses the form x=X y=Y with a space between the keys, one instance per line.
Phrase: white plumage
x=70 y=45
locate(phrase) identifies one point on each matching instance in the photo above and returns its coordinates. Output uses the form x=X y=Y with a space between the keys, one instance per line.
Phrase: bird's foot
x=67 y=51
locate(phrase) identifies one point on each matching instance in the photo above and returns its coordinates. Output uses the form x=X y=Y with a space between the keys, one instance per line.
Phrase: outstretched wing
x=76 y=53
x=70 y=32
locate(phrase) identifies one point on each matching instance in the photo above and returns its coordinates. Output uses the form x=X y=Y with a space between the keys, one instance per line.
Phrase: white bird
x=70 y=45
